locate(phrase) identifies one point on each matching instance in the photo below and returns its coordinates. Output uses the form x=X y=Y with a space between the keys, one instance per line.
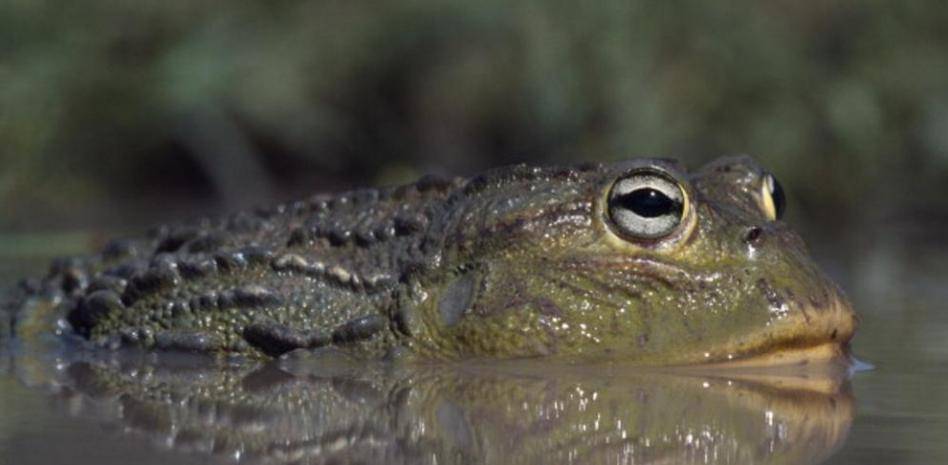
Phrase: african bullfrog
x=637 y=261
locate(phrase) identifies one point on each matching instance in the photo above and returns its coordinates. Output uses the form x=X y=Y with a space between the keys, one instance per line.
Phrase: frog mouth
x=808 y=334
x=788 y=355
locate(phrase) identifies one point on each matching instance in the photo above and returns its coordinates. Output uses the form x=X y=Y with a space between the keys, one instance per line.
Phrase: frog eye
x=774 y=200
x=646 y=205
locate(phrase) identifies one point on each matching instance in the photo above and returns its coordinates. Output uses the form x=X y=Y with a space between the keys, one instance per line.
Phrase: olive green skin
x=552 y=277
x=518 y=262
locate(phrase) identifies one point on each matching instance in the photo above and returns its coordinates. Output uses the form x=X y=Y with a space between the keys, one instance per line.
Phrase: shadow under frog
x=327 y=410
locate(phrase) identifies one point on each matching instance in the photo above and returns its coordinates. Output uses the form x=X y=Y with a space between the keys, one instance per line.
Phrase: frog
x=640 y=261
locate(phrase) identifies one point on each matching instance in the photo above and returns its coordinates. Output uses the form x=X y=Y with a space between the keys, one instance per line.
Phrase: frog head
x=637 y=261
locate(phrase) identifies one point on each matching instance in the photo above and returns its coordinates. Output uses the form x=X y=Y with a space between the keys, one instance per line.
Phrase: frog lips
x=804 y=334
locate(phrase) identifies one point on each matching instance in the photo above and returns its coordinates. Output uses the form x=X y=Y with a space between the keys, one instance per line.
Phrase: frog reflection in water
x=300 y=412
x=636 y=261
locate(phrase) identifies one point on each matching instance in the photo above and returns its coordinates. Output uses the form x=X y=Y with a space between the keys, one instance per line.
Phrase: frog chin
x=805 y=335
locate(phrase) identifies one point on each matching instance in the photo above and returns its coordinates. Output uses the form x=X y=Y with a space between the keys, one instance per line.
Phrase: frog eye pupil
x=646 y=205
x=780 y=199
x=778 y=196
x=649 y=203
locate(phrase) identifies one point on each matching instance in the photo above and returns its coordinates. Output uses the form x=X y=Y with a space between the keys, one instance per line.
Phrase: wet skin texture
x=635 y=261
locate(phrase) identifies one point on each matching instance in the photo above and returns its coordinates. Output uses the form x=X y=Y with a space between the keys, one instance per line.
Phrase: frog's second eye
x=775 y=202
x=646 y=205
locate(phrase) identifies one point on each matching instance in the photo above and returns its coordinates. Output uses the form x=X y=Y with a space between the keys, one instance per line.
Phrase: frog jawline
x=827 y=352
x=810 y=335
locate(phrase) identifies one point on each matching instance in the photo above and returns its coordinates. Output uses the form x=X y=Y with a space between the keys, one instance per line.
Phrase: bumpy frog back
x=299 y=275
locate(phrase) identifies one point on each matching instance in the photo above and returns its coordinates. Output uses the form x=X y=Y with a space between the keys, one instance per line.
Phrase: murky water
x=58 y=406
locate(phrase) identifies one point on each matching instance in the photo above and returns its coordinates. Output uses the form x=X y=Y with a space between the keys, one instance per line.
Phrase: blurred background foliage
x=116 y=114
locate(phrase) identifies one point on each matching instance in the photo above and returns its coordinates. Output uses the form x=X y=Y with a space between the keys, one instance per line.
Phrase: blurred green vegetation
x=115 y=113
x=118 y=114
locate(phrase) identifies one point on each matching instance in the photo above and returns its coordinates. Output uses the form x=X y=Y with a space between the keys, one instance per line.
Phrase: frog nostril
x=753 y=235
